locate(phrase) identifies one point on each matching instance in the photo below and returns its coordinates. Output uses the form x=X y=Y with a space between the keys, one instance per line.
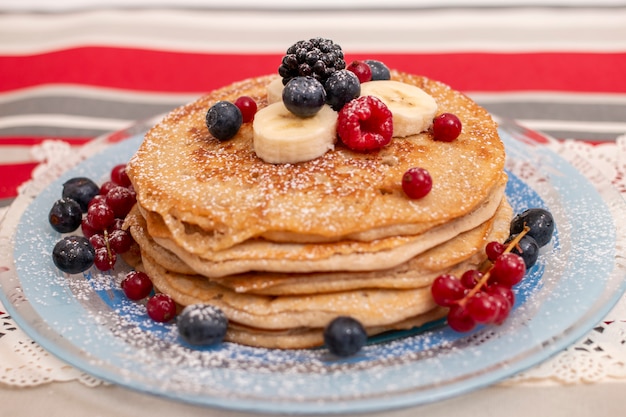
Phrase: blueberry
x=341 y=87
x=81 y=190
x=224 y=120
x=344 y=336
x=540 y=222
x=73 y=254
x=304 y=96
x=379 y=70
x=202 y=324
x=528 y=249
x=65 y=215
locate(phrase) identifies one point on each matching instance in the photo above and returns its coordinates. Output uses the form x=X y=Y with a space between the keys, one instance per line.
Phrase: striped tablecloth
x=73 y=73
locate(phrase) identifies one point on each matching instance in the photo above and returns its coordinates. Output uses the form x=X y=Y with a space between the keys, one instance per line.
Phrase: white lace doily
x=599 y=357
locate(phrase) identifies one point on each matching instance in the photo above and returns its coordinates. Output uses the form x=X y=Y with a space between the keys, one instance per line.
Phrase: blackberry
x=317 y=57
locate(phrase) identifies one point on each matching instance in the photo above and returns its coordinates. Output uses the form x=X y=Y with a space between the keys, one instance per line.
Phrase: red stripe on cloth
x=168 y=71
x=36 y=140
x=13 y=176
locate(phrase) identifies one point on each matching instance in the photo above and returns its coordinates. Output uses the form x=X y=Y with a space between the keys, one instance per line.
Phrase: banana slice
x=275 y=90
x=280 y=137
x=412 y=108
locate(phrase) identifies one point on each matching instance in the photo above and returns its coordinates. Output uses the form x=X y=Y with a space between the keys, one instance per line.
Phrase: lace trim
x=599 y=357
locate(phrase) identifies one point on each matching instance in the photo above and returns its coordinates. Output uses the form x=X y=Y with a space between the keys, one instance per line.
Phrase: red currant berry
x=98 y=199
x=104 y=260
x=98 y=241
x=107 y=186
x=87 y=229
x=100 y=216
x=504 y=308
x=120 y=241
x=508 y=269
x=446 y=127
x=470 y=278
x=502 y=291
x=365 y=124
x=494 y=250
x=119 y=175
x=482 y=308
x=446 y=290
x=248 y=108
x=116 y=225
x=136 y=285
x=416 y=183
x=362 y=71
x=161 y=308
x=459 y=319
x=121 y=200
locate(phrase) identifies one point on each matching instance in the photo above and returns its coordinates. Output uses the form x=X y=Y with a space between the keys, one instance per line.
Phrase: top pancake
x=191 y=179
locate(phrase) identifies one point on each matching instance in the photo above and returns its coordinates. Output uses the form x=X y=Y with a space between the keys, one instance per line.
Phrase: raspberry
x=365 y=124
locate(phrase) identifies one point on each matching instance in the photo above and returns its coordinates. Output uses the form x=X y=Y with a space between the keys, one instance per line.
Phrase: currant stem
x=108 y=246
x=483 y=280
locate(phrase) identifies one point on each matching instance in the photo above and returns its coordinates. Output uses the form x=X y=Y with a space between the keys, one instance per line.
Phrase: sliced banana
x=280 y=137
x=412 y=108
x=275 y=90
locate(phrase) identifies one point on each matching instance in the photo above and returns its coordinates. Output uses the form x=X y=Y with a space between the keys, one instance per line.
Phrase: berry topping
x=459 y=319
x=446 y=127
x=344 y=336
x=223 y=120
x=447 y=290
x=539 y=221
x=378 y=69
x=341 y=87
x=508 y=269
x=470 y=278
x=304 y=96
x=120 y=200
x=104 y=259
x=494 y=249
x=247 y=106
x=106 y=187
x=202 y=324
x=161 y=308
x=527 y=248
x=416 y=183
x=81 y=190
x=136 y=285
x=73 y=254
x=362 y=71
x=119 y=175
x=365 y=124
x=317 y=57
x=65 y=215
x=100 y=216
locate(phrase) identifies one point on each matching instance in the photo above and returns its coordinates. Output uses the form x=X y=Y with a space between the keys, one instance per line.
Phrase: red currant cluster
x=482 y=297
x=137 y=285
x=106 y=211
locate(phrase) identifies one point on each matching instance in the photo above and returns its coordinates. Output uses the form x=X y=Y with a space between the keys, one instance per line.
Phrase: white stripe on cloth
x=497 y=30
x=63 y=120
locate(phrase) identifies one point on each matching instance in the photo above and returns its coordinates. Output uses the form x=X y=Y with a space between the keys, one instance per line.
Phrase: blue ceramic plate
x=85 y=319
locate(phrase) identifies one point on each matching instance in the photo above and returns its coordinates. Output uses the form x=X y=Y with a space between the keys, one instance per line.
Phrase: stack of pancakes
x=283 y=249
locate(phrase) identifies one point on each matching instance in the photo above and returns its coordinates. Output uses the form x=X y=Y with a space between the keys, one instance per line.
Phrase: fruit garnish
x=81 y=190
x=361 y=70
x=527 y=248
x=446 y=127
x=494 y=249
x=344 y=336
x=136 y=285
x=73 y=254
x=281 y=137
x=365 y=124
x=482 y=297
x=304 y=96
x=341 y=87
x=120 y=200
x=413 y=109
x=247 y=106
x=119 y=175
x=65 y=215
x=104 y=259
x=540 y=222
x=161 y=308
x=202 y=324
x=317 y=57
x=416 y=182
x=223 y=119
x=379 y=70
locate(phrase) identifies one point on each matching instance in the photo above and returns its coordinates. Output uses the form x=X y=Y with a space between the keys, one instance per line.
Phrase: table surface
x=72 y=72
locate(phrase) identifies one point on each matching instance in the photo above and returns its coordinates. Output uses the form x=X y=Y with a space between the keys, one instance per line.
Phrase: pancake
x=463 y=252
x=213 y=195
